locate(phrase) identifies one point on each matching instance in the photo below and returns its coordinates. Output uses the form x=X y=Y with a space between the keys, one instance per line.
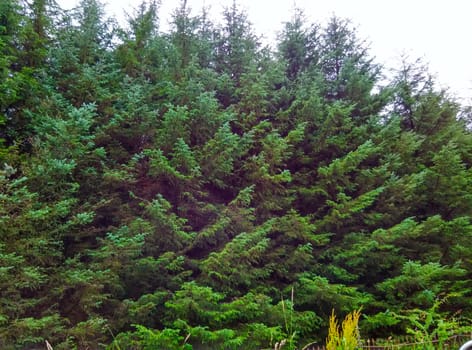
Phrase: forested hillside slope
x=195 y=189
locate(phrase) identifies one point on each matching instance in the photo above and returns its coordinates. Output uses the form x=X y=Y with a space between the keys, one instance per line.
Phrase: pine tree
x=235 y=52
x=299 y=45
x=134 y=53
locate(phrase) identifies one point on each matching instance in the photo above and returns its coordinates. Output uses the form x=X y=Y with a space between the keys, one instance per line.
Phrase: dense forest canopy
x=194 y=189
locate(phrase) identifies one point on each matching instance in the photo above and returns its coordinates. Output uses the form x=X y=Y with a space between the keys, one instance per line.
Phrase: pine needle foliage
x=191 y=188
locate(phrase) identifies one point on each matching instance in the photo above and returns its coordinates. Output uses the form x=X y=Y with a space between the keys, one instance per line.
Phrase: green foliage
x=220 y=153
x=420 y=284
x=165 y=339
x=237 y=46
x=430 y=327
x=190 y=189
x=299 y=45
x=201 y=317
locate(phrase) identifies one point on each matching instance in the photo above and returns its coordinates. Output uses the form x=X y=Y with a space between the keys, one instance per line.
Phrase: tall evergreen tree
x=235 y=52
x=299 y=45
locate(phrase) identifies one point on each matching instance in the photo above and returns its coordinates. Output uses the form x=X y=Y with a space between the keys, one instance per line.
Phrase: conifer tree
x=299 y=45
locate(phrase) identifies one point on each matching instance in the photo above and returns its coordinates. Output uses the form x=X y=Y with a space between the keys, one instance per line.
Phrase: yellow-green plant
x=346 y=338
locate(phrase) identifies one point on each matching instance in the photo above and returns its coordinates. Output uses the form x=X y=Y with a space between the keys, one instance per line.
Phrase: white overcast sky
x=438 y=31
